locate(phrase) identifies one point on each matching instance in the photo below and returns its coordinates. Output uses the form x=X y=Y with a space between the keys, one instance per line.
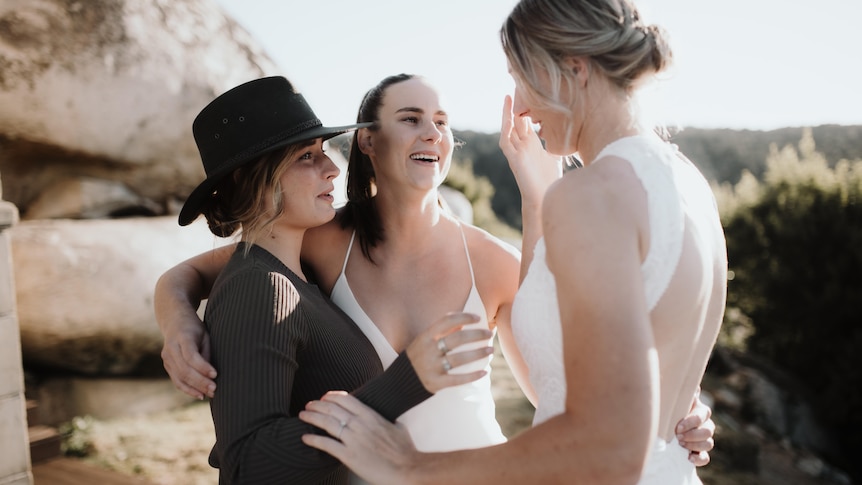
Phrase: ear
x=580 y=66
x=364 y=137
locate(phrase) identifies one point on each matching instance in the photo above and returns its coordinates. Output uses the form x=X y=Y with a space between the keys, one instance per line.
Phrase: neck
x=285 y=245
x=610 y=118
x=410 y=218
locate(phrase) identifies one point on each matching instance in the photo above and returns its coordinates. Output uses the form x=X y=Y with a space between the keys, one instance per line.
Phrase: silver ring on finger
x=442 y=347
x=343 y=425
x=446 y=365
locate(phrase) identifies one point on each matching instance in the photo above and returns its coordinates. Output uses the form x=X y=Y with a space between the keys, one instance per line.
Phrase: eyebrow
x=413 y=109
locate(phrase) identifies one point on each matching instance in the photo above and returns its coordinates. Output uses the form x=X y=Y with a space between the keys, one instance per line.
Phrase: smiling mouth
x=424 y=157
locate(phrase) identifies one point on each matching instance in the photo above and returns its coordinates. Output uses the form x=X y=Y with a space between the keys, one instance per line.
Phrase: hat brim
x=192 y=207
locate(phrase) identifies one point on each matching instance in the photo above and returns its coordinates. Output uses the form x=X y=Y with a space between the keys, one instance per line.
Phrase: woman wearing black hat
x=277 y=341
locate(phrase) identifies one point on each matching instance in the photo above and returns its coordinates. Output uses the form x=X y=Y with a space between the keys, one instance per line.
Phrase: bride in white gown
x=623 y=271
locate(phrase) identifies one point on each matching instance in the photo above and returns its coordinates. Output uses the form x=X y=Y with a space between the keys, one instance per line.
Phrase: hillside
x=721 y=154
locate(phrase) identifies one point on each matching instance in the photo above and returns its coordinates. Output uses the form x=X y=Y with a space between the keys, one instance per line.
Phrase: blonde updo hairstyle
x=539 y=35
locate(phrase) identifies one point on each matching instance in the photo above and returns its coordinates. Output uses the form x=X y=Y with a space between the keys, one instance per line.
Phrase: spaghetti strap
x=467 y=251
x=347 y=254
x=470 y=414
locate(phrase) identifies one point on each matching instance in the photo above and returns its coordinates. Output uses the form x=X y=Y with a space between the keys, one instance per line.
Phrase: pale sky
x=742 y=64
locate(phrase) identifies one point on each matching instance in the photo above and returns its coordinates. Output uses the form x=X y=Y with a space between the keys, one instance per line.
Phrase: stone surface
x=15 y=459
x=61 y=399
x=85 y=288
x=89 y=198
x=109 y=88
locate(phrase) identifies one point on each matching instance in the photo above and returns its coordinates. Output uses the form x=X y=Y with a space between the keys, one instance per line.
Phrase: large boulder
x=85 y=288
x=108 y=89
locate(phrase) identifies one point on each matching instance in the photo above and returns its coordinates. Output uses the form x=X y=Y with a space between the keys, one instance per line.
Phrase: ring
x=441 y=345
x=446 y=365
x=343 y=425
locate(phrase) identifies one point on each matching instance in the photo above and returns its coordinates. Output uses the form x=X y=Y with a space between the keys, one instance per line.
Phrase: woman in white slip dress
x=631 y=244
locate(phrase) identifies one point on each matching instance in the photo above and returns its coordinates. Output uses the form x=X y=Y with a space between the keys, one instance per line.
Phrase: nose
x=519 y=107
x=432 y=132
x=330 y=169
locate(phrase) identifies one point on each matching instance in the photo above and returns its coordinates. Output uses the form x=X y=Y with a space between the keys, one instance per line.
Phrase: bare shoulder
x=605 y=192
x=496 y=264
x=487 y=249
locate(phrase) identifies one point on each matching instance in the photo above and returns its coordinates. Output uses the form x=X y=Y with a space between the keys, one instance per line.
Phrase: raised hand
x=432 y=358
x=534 y=168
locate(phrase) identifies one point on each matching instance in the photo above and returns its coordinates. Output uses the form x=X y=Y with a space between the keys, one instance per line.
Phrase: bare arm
x=608 y=347
x=513 y=356
x=497 y=266
x=178 y=294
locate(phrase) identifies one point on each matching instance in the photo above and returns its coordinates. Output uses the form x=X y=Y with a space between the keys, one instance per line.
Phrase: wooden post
x=15 y=468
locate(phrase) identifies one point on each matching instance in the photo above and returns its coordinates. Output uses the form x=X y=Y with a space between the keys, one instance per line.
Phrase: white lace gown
x=535 y=312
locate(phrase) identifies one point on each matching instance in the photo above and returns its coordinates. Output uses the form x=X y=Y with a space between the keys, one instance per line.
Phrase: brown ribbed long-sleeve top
x=278 y=343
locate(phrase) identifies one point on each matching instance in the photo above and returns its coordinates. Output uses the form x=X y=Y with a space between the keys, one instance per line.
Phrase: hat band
x=272 y=140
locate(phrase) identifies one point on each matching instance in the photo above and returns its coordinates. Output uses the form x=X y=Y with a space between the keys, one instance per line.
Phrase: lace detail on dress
x=537 y=331
x=535 y=311
x=652 y=159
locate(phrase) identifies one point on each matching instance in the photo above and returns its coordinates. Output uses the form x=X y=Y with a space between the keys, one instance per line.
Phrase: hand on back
x=186 y=355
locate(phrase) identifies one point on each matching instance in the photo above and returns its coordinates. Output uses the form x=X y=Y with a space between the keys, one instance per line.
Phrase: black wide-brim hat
x=246 y=122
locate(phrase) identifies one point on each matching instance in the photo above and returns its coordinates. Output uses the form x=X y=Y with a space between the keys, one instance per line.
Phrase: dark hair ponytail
x=360 y=212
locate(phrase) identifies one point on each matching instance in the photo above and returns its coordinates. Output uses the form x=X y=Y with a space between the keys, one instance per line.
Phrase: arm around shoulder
x=178 y=294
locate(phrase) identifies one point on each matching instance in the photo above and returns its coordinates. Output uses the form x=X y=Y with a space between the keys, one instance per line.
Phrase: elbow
x=630 y=473
x=619 y=461
x=630 y=466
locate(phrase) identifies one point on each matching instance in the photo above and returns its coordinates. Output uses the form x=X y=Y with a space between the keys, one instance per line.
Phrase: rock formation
x=108 y=89
x=97 y=100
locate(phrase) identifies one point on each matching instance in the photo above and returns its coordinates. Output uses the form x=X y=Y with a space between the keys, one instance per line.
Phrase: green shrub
x=794 y=245
x=479 y=192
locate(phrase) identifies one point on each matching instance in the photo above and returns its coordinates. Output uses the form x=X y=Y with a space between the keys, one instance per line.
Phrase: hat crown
x=249 y=118
x=245 y=123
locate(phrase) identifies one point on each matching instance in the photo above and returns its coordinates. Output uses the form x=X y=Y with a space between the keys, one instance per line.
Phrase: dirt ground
x=171 y=448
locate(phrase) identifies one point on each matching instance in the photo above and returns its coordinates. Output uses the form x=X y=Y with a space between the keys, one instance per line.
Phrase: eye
x=410 y=119
x=306 y=156
x=442 y=122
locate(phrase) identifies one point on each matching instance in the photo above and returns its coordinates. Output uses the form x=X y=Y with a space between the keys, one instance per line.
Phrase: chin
x=556 y=149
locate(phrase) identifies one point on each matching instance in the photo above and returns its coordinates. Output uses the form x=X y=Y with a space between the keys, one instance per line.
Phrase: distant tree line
x=721 y=154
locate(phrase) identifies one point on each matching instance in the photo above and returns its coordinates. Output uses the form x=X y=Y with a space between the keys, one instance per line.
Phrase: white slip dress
x=454 y=418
